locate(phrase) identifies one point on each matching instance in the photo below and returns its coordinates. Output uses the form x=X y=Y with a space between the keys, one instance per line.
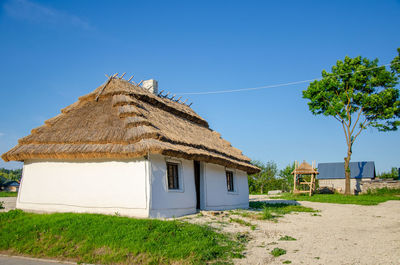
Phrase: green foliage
x=276 y=252
x=1 y=205
x=8 y=194
x=287 y=176
x=269 y=179
x=9 y=174
x=351 y=89
x=393 y=173
x=262 y=181
x=373 y=198
x=287 y=238
x=395 y=64
x=100 y=239
x=358 y=94
x=286 y=262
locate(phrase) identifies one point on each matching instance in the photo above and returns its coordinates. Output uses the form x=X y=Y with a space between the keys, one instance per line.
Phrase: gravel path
x=338 y=234
x=13 y=260
x=8 y=203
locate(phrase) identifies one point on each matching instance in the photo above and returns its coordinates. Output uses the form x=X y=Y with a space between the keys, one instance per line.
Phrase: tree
x=395 y=64
x=287 y=176
x=265 y=178
x=358 y=94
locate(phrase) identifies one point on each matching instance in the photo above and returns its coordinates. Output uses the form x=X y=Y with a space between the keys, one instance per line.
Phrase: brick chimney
x=151 y=85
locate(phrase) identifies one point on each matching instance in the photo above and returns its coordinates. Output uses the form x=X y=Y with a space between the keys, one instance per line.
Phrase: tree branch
x=358 y=118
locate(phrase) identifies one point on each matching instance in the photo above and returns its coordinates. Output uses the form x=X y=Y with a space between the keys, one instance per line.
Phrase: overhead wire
x=277 y=85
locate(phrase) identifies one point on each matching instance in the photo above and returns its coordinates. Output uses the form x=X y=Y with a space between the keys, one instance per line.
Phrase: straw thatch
x=120 y=120
x=305 y=168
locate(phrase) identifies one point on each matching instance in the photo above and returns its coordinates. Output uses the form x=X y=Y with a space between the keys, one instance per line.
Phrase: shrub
x=276 y=252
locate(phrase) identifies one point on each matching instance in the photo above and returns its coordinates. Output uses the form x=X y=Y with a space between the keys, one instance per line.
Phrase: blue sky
x=52 y=52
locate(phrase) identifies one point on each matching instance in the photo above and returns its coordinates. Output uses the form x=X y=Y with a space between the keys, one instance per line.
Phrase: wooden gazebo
x=304 y=169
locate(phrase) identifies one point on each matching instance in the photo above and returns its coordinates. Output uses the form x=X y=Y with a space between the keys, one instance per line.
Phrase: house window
x=229 y=180
x=173 y=177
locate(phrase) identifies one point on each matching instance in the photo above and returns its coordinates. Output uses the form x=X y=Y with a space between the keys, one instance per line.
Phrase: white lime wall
x=107 y=187
x=136 y=188
x=213 y=188
x=217 y=196
x=170 y=203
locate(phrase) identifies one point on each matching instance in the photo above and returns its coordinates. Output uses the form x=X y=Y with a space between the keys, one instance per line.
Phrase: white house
x=127 y=149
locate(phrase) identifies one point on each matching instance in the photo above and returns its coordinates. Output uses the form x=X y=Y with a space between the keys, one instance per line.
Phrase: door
x=197 y=182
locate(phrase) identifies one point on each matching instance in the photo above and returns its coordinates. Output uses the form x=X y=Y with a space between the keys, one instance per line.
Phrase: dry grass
x=127 y=122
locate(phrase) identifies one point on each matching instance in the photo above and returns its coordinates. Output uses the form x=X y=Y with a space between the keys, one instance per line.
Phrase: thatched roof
x=127 y=121
x=305 y=168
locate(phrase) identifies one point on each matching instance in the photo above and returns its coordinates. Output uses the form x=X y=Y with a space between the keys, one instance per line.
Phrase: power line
x=277 y=85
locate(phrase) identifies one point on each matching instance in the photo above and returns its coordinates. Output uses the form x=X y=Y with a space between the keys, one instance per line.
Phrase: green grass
x=1 y=205
x=8 y=194
x=371 y=198
x=276 y=252
x=94 y=238
x=287 y=238
x=274 y=210
x=243 y=222
x=287 y=262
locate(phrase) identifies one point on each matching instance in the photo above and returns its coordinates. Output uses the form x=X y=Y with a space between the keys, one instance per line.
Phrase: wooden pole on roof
x=130 y=78
x=122 y=75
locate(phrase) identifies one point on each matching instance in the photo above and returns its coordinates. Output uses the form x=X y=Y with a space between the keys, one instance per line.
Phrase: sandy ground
x=339 y=234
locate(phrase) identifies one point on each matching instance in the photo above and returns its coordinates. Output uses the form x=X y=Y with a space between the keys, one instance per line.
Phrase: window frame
x=230 y=181
x=179 y=177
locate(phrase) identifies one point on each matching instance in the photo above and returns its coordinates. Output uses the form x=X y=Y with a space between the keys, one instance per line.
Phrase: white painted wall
x=339 y=184
x=136 y=188
x=170 y=203
x=85 y=186
x=217 y=196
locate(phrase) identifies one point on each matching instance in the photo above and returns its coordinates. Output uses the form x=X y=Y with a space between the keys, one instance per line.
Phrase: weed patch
x=243 y=222
x=271 y=211
x=276 y=252
x=287 y=238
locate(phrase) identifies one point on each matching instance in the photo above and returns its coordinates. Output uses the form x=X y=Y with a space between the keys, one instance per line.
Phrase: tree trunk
x=347 y=172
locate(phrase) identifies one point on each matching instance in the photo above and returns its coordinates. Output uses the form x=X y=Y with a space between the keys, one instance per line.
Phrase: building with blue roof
x=332 y=175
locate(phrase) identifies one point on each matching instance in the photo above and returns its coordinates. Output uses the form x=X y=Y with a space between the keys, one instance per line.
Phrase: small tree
x=358 y=94
x=287 y=176
x=266 y=177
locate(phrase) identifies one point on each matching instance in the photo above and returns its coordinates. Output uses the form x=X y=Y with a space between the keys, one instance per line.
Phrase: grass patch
x=243 y=222
x=94 y=238
x=287 y=262
x=8 y=194
x=276 y=252
x=287 y=238
x=1 y=205
x=272 y=211
x=371 y=198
